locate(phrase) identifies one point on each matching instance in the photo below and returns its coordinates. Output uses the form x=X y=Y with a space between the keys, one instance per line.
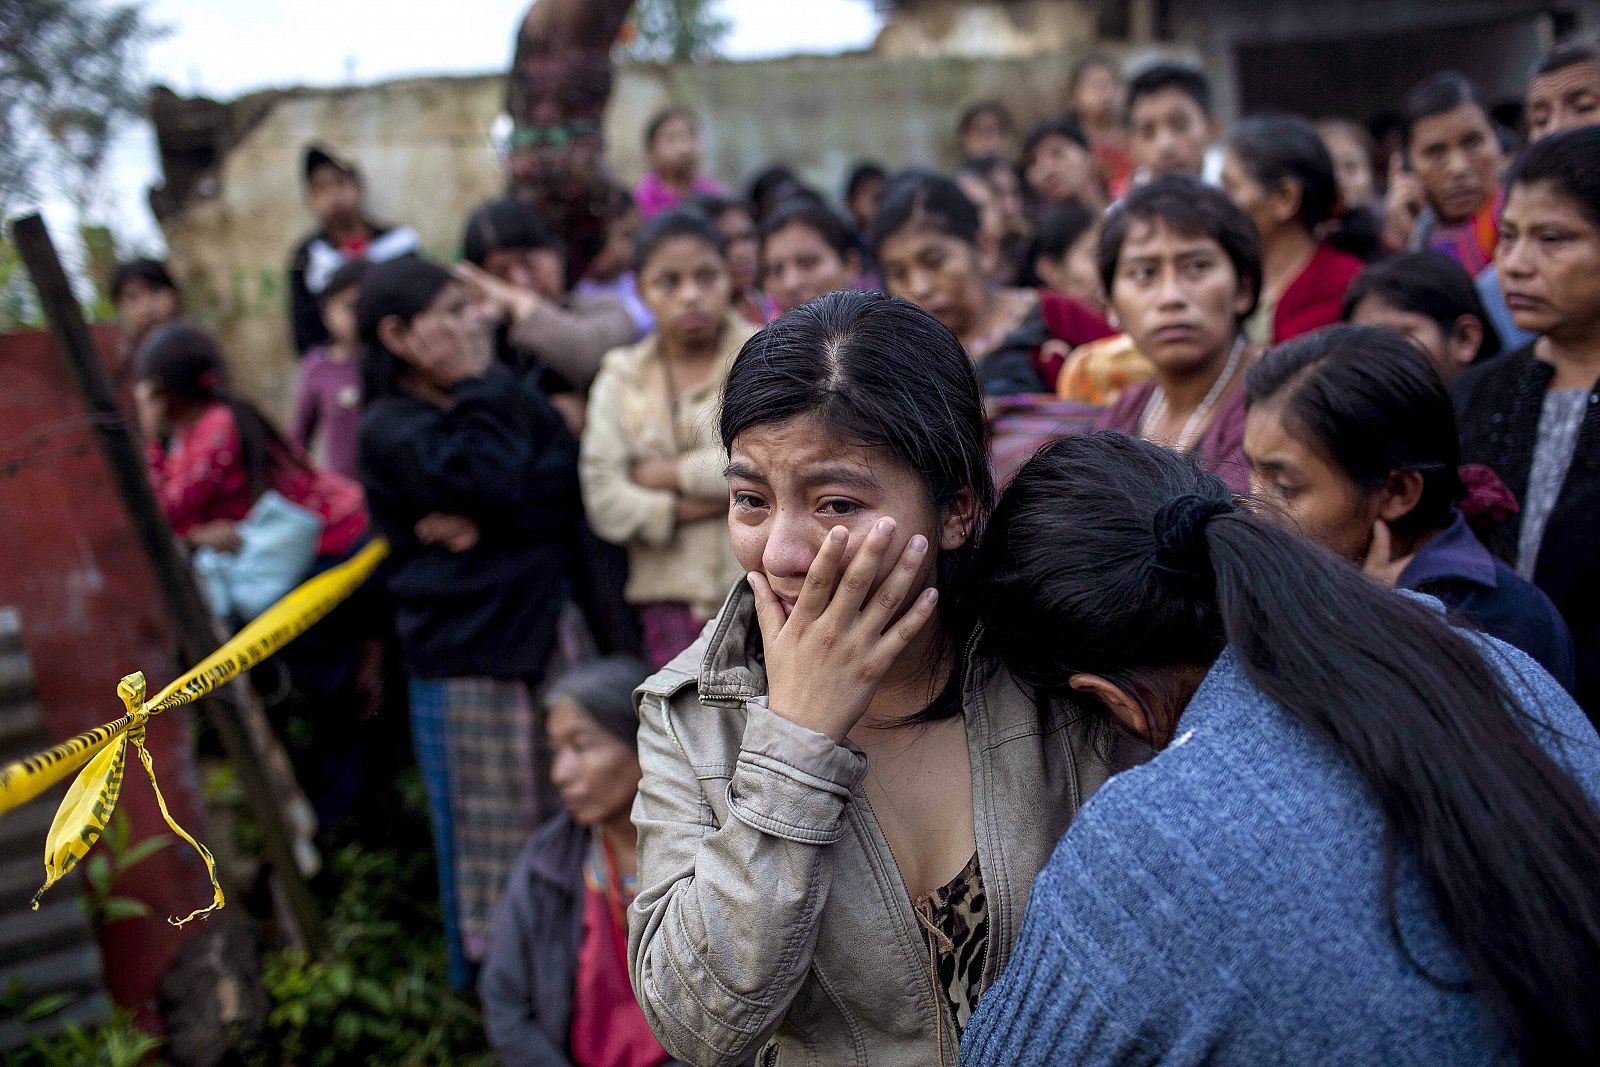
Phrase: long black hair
x=1369 y=401
x=184 y=363
x=1115 y=557
x=404 y=287
x=880 y=372
x=1278 y=148
x=1425 y=283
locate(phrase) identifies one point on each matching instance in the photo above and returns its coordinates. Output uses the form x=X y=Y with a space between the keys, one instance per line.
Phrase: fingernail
x=919 y=543
x=838 y=534
x=886 y=525
x=930 y=595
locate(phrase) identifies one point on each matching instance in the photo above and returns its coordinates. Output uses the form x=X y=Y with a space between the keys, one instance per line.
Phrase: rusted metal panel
x=90 y=612
x=51 y=951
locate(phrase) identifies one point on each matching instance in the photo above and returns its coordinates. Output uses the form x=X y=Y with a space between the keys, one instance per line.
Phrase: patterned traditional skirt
x=479 y=742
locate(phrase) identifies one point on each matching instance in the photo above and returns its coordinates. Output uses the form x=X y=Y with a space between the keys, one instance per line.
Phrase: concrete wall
x=424 y=146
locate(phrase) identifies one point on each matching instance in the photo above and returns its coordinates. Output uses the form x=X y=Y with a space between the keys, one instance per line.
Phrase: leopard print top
x=956 y=919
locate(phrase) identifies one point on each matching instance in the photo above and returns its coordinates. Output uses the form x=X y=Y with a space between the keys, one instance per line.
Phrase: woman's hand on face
x=1404 y=204
x=1381 y=565
x=827 y=659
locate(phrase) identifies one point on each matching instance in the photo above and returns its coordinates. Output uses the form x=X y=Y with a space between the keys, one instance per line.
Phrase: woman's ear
x=393 y=333
x=1245 y=299
x=1285 y=200
x=1128 y=712
x=1466 y=337
x=1399 y=495
x=960 y=521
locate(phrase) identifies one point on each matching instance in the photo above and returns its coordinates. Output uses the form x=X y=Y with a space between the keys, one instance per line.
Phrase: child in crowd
x=213 y=455
x=1064 y=254
x=327 y=403
x=672 y=143
x=555 y=985
x=1278 y=170
x=1352 y=437
x=1170 y=122
x=1059 y=168
x=610 y=273
x=987 y=130
x=472 y=478
x=1430 y=298
x=1182 y=266
x=1097 y=92
x=863 y=192
x=806 y=251
x=145 y=297
x=335 y=195
x=651 y=464
x=516 y=269
x=741 y=242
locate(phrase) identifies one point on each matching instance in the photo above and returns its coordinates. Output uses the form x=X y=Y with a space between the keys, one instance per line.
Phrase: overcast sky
x=226 y=48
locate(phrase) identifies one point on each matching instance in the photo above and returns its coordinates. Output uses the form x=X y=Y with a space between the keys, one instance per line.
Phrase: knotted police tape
x=87 y=808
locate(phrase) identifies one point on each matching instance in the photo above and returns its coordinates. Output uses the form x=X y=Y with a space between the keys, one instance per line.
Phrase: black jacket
x=502 y=457
x=1498 y=405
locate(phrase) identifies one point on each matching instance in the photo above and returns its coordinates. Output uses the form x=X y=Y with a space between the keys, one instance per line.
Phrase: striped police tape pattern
x=87 y=808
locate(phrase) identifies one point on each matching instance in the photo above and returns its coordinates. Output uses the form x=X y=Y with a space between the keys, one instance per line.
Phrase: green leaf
x=46 y=1005
x=116 y=908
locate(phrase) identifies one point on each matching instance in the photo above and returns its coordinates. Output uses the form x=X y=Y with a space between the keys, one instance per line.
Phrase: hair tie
x=1180 y=532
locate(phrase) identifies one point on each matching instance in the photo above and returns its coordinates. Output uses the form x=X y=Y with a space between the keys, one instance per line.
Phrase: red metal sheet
x=90 y=614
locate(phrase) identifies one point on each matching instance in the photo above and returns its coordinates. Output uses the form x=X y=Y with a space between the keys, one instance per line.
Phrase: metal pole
x=196 y=631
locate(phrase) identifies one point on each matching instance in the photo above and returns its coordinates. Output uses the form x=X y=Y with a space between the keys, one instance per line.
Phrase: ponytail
x=1115 y=557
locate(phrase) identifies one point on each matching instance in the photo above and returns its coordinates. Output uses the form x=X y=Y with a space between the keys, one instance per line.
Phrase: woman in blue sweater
x=1364 y=837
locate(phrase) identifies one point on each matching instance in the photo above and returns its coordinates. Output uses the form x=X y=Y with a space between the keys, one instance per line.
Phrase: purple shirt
x=327 y=411
x=625 y=289
x=654 y=195
x=1220 y=449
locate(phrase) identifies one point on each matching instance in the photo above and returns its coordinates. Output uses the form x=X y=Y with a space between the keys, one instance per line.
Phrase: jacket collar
x=556 y=853
x=1452 y=554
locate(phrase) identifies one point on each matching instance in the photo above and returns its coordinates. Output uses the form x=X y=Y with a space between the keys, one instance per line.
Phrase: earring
x=1113 y=321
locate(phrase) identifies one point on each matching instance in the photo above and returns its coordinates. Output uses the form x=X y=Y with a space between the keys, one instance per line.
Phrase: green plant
x=114 y=857
x=382 y=997
x=116 y=1043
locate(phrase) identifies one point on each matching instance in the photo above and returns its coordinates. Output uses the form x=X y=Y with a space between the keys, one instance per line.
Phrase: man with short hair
x=1453 y=204
x=344 y=232
x=1170 y=122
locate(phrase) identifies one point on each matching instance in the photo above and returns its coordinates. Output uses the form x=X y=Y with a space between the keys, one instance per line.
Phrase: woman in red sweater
x=1278 y=170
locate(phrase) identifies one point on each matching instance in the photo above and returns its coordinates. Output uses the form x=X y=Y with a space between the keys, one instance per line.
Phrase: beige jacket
x=771 y=915
x=630 y=420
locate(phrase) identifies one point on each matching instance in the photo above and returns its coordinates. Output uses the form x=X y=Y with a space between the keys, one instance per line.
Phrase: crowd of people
x=1128 y=599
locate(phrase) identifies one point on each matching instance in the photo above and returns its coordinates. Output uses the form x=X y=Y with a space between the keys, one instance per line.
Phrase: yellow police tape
x=91 y=799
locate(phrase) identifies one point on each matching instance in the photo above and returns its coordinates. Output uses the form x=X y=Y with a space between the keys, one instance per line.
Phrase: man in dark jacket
x=344 y=232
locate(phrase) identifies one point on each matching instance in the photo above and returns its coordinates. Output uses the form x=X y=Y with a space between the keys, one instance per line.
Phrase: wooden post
x=197 y=636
